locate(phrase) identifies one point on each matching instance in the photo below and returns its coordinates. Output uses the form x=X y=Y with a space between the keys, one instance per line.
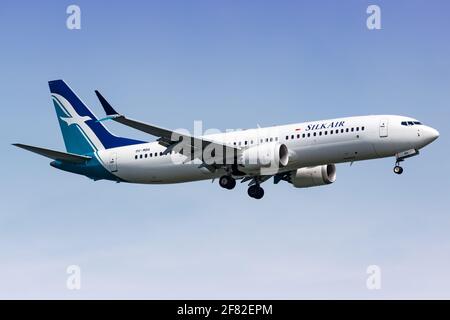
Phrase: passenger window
x=267 y=139
x=326 y=132
x=145 y=156
x=271 y=139
x=342 y=130
x=309 y=135
x=303 y=135
x=239 y=143
x=346 y=130
x=140 y=156
x=151 y=155
x=292 y=137
x=262 y=140
x=353 y=129
x=357 y=128
x=362 y=128
x=331 y=131
x=251 y=141
x=276 y=138
x=160 y=153
x=320 y=133
x=135 y=157
x=245 y=142
x=314 y=134
x=287 y=137
x=234 y=143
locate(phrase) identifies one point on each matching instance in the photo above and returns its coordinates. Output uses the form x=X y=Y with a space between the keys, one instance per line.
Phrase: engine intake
x=313 y=176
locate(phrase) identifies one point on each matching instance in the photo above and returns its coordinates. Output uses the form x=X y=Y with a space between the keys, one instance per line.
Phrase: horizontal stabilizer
x=56 y=155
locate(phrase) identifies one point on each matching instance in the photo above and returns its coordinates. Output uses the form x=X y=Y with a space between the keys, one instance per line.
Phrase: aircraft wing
x=167 y=137
x=55 y=155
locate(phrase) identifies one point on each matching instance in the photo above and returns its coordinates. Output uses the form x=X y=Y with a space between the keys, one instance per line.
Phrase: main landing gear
x=227 y=182
x=255 y=191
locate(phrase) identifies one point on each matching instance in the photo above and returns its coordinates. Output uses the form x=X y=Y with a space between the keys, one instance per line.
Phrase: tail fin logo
x=75 y=120
x=71 y=117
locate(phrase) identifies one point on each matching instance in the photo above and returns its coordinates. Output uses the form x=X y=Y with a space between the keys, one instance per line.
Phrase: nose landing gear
x=401 y=156
x=398 y=169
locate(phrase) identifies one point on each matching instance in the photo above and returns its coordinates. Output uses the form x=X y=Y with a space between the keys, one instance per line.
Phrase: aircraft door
x=113 y=162
x=383 y=128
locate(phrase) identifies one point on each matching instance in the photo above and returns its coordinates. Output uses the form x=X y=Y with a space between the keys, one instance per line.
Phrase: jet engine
x=313 y=176
x=267 y=155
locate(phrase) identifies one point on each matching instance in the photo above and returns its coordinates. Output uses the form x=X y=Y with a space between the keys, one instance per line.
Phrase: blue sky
x=231 y=64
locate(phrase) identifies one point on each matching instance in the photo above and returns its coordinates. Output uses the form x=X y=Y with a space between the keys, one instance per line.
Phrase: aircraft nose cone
x=434 y=134
x=431 y=134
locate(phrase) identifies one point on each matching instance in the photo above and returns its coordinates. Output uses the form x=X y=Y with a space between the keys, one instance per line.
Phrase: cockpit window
x=410 y=123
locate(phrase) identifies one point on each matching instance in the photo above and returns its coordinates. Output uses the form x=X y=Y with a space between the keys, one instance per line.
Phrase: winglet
x=105 y=104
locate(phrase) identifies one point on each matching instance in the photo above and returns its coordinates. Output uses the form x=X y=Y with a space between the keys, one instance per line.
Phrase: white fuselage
x=309 y=143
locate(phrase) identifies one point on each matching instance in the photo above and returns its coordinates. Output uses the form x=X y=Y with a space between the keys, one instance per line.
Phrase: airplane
x=302 y=154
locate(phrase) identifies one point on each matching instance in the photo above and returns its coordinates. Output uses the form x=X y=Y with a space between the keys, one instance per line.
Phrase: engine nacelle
x=267 y=155
x=313 y=176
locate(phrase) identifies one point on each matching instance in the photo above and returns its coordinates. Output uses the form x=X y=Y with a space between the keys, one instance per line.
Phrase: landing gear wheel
x=259 y=193
x=256 y=192
x=227 y=182
x=231 y=184
x=398 y=170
